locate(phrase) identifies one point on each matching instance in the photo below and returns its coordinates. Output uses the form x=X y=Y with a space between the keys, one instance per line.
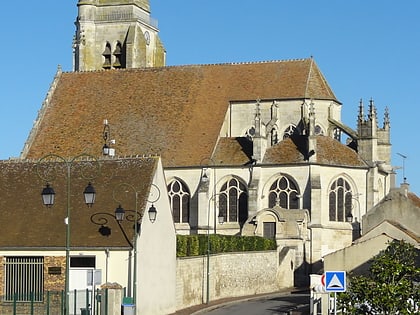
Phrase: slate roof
x=26 y=223
x=175 y=112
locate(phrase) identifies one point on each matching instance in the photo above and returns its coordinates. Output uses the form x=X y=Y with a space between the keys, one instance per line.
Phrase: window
x=337 y=134
x=83 y=262
x=233 y=201
x=340 y=198
x=284 y=193
x=118 y=55
x=319 y=130
x=24 y=278
x=250 y=133
x=274 y=136
x=269 y=230
x=107 y=56
x=179 y=197
x=289 y=131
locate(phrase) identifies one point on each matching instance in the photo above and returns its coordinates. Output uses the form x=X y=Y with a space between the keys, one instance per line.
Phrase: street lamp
x=206 y=180
x=119 y=216
x=48 y=174
x=100 y=218
x=221 y=220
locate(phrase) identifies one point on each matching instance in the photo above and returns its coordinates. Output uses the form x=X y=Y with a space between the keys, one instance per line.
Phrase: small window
x=107 y=56
x=269 y=230
x=24 y=279
x=289 y=131
x=118 y=56
x=274 y=136
x=83 y=262
x=250 y=133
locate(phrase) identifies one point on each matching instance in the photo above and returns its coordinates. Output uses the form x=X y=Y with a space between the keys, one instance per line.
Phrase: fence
x=82 y=302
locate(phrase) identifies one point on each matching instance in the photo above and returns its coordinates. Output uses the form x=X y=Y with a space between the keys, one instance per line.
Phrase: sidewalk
x=202 y=308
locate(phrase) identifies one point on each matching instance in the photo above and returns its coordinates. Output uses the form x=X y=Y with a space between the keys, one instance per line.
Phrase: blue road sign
x=335 y=281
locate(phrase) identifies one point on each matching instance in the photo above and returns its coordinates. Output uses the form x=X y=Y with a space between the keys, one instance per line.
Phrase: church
x=253 y=148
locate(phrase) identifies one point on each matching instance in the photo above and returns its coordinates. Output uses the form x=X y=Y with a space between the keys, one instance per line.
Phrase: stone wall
x=233 y=274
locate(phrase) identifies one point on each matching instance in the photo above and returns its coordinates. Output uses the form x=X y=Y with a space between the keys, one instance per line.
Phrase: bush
x=195 y=245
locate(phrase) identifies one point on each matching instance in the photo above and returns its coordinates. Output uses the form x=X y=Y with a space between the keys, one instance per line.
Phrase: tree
x=391 y=287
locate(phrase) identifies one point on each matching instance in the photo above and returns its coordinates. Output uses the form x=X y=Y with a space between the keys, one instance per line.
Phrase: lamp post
x=119 y=215
x=205 y=179
x=349 y=217
x=47 y=171
x=221 y=221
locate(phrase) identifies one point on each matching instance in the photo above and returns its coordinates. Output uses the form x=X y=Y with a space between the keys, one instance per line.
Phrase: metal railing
x=81 y=302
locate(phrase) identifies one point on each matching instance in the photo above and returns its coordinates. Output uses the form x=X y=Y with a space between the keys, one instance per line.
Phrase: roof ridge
x=83 y=158
x=194 y=65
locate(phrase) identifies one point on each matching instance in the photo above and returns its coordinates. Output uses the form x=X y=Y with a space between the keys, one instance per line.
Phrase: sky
x=365 y=49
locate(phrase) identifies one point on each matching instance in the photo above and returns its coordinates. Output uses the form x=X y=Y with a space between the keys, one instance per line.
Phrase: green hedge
x=196 y=245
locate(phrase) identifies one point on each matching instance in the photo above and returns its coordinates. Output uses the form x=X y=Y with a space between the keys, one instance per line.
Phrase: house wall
x=156 y=262
x=355 y=256
x=117 y=266
x=231 y=275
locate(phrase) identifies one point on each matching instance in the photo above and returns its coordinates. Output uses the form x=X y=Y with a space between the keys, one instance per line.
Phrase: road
x=272 y=305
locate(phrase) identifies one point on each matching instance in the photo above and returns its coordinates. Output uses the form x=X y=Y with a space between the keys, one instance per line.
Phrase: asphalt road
x=274 y=305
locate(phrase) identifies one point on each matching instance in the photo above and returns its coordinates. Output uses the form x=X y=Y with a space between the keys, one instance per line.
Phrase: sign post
x=334 y=281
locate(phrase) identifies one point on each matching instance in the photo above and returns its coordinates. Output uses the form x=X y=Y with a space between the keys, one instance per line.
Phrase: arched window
x=107 y=56
x=233 y=201
x=289 y=131
x=340 y=197
x=179 y=197
x=284 y=192
x=274 y=136
x=118 y=56
x=250 y=133
x=319 y=130
x=337 y=134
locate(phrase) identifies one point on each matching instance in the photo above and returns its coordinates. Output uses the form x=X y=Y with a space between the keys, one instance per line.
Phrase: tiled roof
x=176 y=112
x=26 y=222
x=328 y=152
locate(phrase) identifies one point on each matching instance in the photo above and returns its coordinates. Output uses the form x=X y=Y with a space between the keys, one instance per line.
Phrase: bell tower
x=112 y=34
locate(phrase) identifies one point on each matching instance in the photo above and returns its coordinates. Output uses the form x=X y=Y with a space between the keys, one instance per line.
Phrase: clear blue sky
x=366 y=49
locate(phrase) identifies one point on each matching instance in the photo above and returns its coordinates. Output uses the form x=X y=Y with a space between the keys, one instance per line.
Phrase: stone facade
x=116 y=34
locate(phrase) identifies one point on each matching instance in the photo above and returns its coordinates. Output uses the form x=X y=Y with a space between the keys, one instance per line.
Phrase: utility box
x=127 y=309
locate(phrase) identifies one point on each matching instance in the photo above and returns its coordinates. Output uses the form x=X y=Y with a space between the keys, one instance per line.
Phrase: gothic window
x=179 y=198
x=337 y=134
x=284 y=192
x=250 y=133
x=340 y=198
x=118 y=55
x=318 y=130
x=233 y=201
x=274 y=137
x=289 y=131
x=107 y=56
